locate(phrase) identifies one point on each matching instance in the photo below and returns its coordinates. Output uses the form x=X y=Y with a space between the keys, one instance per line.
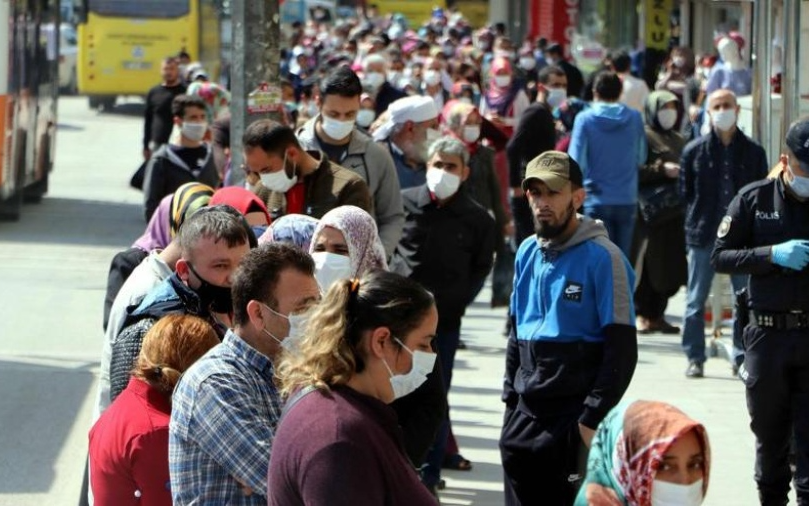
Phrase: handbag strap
x=296 y=398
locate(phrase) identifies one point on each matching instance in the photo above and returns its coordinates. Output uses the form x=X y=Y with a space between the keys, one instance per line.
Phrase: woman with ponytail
x=129 y=444
x=339 y=442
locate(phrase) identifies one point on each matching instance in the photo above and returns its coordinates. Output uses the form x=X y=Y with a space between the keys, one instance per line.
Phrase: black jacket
x=157 y=118
x=121 y=267
x=166 y=172
x=700 y=170
x=761 y=215
x=448 y=249
x=535 y=134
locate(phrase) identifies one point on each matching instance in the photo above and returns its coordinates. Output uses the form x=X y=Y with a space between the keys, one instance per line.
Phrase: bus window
x=140 y=8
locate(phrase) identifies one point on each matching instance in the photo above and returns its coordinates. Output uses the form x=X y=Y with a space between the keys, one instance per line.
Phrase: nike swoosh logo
x=572 y=290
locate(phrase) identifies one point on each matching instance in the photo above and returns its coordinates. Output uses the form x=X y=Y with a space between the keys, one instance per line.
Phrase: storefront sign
x=556 y=20
x=265 y=99
x=658 y=25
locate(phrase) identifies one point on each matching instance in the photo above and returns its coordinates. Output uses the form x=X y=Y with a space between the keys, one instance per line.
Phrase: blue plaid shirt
x=224 y=413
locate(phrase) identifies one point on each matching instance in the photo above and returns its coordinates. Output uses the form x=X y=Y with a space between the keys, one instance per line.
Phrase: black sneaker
x=695 y=370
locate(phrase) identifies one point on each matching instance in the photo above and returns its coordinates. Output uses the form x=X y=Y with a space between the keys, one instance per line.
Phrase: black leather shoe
x=695 y=370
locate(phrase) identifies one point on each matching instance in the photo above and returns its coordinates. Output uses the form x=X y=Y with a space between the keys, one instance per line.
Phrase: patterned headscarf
x=359 y=229
x=500 y=98
x=629 y=447
x=216 y=98
x=188 y=199
x=295 y=229
x=158 y=233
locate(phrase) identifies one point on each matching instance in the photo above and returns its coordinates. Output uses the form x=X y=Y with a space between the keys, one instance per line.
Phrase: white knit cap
x=415 y=108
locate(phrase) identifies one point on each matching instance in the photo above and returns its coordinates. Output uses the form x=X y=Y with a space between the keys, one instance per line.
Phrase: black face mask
x=215 y=298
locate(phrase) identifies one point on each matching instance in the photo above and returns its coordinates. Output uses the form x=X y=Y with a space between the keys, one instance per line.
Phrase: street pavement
x=53 y=270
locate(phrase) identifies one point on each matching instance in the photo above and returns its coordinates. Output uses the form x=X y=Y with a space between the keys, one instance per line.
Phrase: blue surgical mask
x=799 y=184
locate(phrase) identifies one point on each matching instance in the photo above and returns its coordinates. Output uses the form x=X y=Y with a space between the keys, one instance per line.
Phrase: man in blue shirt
x=609 y=143
x=573 y=347
x=226 y=406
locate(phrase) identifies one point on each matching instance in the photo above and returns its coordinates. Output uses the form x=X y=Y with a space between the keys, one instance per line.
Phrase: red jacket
x=129 y=449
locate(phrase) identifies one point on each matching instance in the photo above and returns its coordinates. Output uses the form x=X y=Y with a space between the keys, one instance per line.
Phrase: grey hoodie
x=373 y=164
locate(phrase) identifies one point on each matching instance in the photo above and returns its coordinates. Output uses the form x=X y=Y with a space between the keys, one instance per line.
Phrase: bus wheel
x=11 y=208
x=94 y=101
x=33 y=194
x=108 y=103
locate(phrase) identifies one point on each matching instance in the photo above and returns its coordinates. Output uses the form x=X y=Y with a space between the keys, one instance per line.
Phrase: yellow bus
x=29 y=87
x=122 y=42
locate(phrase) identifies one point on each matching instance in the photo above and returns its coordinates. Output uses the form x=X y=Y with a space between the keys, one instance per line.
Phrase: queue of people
x=407 y=167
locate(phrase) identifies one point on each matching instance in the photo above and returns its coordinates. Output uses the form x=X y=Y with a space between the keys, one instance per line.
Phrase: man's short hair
x=342 y=82
x=608 y=86
x=182 y=102
x=621 y=61
x=449 y=146
x=272 y=137
x=258 y=273
x=373 y=59
x=220 y=223
x=545 y=74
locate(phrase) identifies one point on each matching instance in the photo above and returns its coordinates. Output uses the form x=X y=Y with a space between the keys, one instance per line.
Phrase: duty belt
x=780 y=321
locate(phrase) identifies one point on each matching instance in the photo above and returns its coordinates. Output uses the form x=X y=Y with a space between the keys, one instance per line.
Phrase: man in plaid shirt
x=225 y=408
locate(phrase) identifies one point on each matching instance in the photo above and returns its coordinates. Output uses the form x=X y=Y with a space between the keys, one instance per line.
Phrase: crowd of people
x=292 y=340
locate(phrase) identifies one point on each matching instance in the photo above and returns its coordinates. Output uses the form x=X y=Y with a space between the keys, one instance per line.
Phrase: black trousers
x=544 y=460
x=777 y=379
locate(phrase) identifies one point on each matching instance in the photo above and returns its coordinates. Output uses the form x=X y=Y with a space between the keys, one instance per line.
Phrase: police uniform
x=763 y=220
x=572 y=351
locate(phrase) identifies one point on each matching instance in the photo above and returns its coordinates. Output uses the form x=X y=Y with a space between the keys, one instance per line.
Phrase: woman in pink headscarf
x=346 y=244
x=503 y=104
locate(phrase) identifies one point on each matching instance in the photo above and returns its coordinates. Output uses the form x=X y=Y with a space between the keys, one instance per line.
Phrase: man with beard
x=411 y=128
x=212 y=243
x=573 y=348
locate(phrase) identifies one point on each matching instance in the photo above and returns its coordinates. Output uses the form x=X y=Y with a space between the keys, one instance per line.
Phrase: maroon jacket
x=342 y=448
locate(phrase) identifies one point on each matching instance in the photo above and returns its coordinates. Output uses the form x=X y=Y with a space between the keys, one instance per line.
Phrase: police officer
x=766 y=234
x=573 y=347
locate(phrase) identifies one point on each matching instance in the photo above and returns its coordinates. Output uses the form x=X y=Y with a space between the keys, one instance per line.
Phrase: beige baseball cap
x=555 y=169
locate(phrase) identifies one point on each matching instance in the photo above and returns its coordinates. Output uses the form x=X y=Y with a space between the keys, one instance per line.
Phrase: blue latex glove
x=792 y=254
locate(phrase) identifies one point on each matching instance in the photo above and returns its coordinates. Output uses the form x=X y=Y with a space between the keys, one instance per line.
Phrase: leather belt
x=780 y=321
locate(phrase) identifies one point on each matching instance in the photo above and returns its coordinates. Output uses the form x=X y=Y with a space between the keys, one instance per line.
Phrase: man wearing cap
x=573 y=349
x=411 y=127
x=334 y=131
x=765 y=234
x=712 y=169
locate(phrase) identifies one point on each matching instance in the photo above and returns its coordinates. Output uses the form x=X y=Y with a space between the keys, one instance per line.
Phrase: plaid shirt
x=224 y=413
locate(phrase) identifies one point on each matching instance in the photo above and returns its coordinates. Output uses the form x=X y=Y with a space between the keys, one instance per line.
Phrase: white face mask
x=556 y=97
x=394 y=76
x=442 y=183
x=297 y=329
x=279 y=181
x=471 y=133
x=502 y=81
x=432 y=77
x=365 y=117
x=373 y=80
x=404 y=384
x=799 y=184
x=330 y=267
x=465 y=100
x=667 y=118
x=673 y=494
x=724 y=120
x=528 y=62
x=194 y=131
x=337 y=130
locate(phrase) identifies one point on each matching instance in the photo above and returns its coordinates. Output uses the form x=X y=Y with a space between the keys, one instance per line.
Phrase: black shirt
x=194 y=158
x=535 y=134
x=158 y=123
x=334 y=152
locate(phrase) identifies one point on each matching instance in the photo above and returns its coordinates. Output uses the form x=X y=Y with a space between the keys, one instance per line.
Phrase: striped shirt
x=224 y=413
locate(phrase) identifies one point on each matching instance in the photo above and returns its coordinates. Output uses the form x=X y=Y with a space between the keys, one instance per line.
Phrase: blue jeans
x=619 y=221
x=447 y=344
x=700 y=277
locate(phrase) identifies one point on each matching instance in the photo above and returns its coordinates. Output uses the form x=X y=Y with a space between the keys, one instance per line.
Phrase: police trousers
x=776 y=376
x=544 y=459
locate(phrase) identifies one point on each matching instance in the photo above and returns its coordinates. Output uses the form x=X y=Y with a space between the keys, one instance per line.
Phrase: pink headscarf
x=157 y=235
x=497 y=97
x=365 y=249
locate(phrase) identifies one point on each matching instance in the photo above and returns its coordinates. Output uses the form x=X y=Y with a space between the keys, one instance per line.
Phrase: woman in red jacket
x=129 y=444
